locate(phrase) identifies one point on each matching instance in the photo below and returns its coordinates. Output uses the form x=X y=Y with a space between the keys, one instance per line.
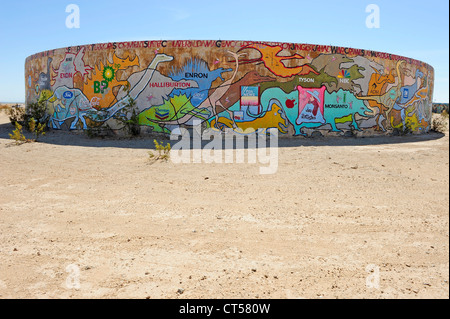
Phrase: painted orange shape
x=108 y=98
x=271 y=59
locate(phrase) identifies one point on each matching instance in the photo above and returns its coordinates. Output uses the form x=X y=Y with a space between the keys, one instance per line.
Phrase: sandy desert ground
x=91 y=218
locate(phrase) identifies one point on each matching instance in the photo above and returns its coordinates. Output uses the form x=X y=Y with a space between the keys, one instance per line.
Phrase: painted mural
x=298 y=89
x=440 y=107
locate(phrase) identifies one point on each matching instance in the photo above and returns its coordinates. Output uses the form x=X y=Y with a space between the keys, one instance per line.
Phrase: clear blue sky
x=415 y=29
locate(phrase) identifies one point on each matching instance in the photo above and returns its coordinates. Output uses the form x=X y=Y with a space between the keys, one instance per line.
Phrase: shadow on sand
x=73 y=138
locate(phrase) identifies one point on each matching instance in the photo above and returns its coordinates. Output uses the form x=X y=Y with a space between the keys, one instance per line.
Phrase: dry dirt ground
x=341 y=218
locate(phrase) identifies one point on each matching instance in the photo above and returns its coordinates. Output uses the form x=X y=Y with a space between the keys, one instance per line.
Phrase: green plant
x=129 y=116
x=37 y=111
x=36 y=128
x=162 y=152
x=17 y=135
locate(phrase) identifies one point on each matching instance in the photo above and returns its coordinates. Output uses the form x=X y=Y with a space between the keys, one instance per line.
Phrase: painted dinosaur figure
x=211 y=102
x=379 y=84
x=389 y=98
x=274 y=62
x=412 y=94
x=274 y=117
x=197 y=70
x=419 y=95
x=71 y=65
x=367 y=69
x=67 y=103
x=341 y=107
x=140 y=86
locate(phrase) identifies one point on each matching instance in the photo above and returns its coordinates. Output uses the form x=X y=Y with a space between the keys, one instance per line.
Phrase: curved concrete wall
x=300 y=89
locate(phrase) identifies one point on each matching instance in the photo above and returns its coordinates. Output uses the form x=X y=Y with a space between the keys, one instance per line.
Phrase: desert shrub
x=17 y=134
x=440 y=123
x=36 y=111
x=161 y=152
x=16 y=114
x=36 y=128
x=129 y=116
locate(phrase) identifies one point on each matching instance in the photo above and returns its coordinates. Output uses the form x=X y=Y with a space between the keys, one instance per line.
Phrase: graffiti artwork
x=440 y=107
x=297 y=89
